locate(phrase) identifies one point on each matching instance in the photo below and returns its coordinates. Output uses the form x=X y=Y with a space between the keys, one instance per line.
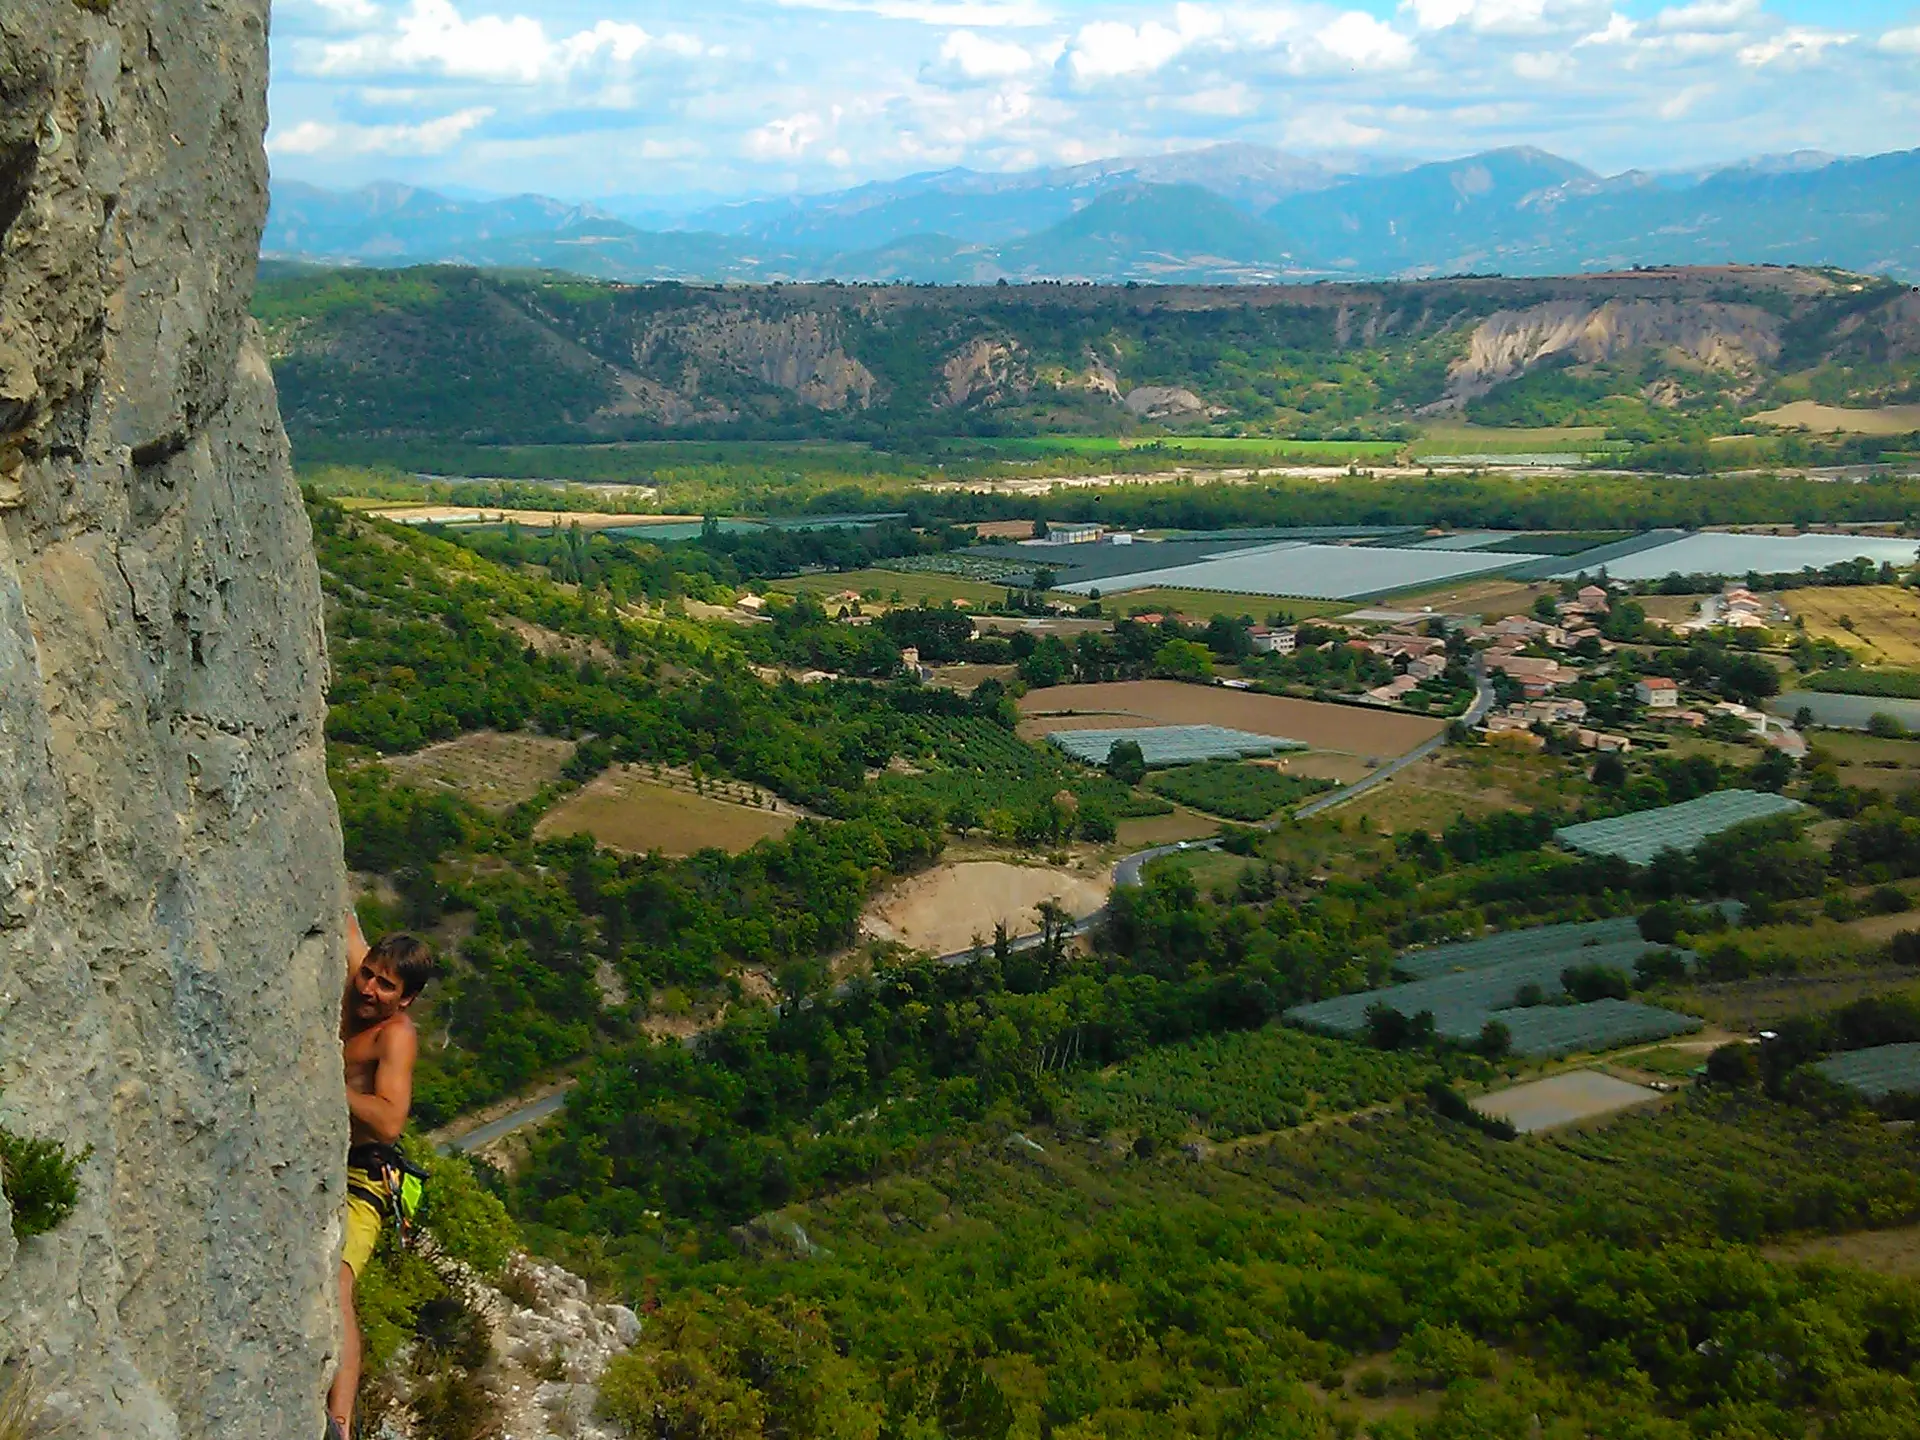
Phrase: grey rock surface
x=170 y=874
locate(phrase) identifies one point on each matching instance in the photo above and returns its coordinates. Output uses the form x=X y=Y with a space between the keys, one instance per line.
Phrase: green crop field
x=1242 y=1084
x=1235 y=790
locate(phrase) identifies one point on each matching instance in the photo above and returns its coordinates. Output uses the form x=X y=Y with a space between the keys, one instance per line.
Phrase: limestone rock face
x=170 y=874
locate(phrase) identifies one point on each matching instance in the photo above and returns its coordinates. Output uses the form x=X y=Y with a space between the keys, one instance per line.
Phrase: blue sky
x=671 y=101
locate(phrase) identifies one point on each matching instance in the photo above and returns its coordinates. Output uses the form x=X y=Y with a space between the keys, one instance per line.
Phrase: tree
x=1183 y=660
x=1126 y=762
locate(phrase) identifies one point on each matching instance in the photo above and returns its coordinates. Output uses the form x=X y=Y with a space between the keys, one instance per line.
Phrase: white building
x=1268 y=641
x=1657 y=692
x=1063 y=534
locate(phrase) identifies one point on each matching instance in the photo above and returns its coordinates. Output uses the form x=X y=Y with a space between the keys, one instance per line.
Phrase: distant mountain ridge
x=1232 y=213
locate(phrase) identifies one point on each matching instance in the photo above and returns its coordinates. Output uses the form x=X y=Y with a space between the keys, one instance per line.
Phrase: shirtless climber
x=379 y=1044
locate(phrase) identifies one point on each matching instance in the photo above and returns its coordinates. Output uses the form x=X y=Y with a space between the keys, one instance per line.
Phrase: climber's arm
x=356 y=944
x=384 y=1110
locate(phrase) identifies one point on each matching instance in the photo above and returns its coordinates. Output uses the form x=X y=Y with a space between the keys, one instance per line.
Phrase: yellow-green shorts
x=363 y=1221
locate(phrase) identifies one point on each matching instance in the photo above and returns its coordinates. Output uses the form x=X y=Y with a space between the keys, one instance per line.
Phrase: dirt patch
x=1002 y=529
x=1322 y=765
x=1883 y=1252
x=946 y=908
x=1345 y=728
x=1835 y=419
x=623 y=809
x=494 y=770
x=1563 y=1100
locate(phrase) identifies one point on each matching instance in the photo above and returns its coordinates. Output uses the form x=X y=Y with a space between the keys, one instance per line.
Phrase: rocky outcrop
x=984 y=371
x=1708 y=334
x=1164 y=402
x=170 y=880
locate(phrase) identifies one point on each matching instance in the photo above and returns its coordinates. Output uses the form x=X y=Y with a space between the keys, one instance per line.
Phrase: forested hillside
x=452 y=354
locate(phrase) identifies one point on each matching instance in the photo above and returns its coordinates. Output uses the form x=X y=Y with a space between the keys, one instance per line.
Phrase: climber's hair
x=408 y=956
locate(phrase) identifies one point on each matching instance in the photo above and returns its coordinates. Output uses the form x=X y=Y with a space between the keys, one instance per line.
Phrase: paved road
x=484 y=1135
x=1125 y=872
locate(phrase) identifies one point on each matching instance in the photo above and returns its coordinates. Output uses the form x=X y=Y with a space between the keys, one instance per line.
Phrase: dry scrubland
x=1491 y=596
x=1345 y=728
x=494 y=770
x=945 y=909
x=1883 y=621
x=912 y=587
x=625 y=810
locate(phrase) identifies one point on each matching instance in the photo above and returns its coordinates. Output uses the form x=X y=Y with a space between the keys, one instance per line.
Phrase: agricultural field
x=1401 y=805
x=1869 y=760
x=1638 y=838
x=624 y=810
x=1879 y=623
x=1765 y=1001
x=947 y=908
x=1570 y=940
x=1235 y=790
x=1349 y=729
x=1180 y=823
x=1488 y=597
x=1456 y=438
x=1205 y=604
x=1241 y=1083
x=1837 y=419
x=1002 y=781
x=494 y=770
x=1564 y=1099
x=531 y=519
x=887 y=584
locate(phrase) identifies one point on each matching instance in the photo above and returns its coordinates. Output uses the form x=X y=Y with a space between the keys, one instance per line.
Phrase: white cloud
x=352 y=12
x=1902 y=42
x=787 y=138
x=1109 y=49
x=1677 y=105
x=1539 y=65
x=432 y=36
x=1708 y=15
x=979 y=58
x=1491 y=16
x=1617 y=31
x=990 y=14
x=1794 y=45
x=1365 y=43
x=430 y=137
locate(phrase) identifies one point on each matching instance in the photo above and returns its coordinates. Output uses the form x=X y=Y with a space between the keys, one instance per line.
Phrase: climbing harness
x=397 y=1185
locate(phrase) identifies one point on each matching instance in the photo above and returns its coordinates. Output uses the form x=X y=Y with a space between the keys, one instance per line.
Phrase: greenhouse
x=1571 y=941
x=1637 y=838
x=1463 y=1002
x=1172 y=744
x=1877 y=1073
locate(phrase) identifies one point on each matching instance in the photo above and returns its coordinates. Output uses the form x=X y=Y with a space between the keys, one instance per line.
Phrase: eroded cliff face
x=1711 y=335
x=170 y=883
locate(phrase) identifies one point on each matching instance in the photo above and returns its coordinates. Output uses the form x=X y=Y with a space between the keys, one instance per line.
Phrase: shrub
x=1660 y=924
x=1126 y=763
x=1885 y=726
x=1594 y=982
x=1659 y=967
x=1735 y=1066
x=41 y=1182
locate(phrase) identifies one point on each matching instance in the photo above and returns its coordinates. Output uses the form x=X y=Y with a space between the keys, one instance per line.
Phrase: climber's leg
x=346 y=1382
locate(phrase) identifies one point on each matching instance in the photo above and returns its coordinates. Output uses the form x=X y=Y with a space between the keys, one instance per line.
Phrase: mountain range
x=1233 y=213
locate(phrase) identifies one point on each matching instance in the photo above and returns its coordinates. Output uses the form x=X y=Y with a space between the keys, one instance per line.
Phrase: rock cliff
x=170 y=879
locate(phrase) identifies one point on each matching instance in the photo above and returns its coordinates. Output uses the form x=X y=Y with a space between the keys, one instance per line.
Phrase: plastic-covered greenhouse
x=1172 y=744
x=1639 y=837
x=1877 y=1073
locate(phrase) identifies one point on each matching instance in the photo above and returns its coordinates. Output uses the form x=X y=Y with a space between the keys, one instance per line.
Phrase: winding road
x=1126 y=871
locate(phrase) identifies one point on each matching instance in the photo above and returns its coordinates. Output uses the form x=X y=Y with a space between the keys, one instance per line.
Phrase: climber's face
x=377 y=993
